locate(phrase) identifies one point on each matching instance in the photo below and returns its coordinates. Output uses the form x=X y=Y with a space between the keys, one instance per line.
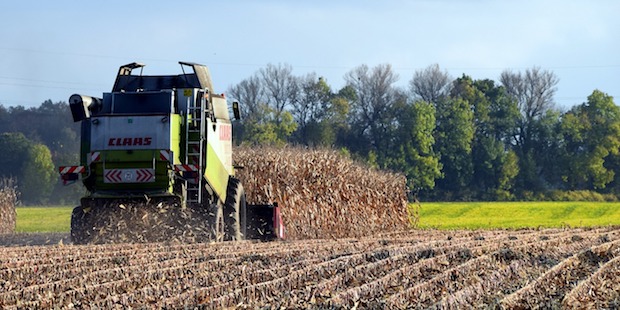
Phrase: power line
x=46 y=81
x=326 y=66
x=39 y=86
x=68 y=53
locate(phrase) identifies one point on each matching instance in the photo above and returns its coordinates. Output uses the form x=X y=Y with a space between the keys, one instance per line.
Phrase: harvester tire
x=217 y=223
x=235 y=211
x=79 y=222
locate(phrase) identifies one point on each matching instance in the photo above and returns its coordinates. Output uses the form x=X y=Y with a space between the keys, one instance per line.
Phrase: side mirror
x=81 y=106
x=235 y=107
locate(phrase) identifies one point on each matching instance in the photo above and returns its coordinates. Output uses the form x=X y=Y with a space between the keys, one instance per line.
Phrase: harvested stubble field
x=348 y=247
x=522 y=269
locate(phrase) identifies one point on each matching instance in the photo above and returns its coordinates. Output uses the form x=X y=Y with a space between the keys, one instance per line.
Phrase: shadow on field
x=25 y=239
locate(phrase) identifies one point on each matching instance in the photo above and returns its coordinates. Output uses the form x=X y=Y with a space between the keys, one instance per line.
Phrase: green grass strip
x=43 y=219
x=481 y=215
x=440 y=215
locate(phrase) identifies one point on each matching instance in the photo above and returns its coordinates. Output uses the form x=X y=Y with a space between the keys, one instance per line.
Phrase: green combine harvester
x=163 y=140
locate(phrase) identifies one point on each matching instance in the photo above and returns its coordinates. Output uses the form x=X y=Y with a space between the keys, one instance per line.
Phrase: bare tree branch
x=534 y=93
x=281 y=88
x=430 y=84
x=533 y=90
x=250 y=94
x=375 y=96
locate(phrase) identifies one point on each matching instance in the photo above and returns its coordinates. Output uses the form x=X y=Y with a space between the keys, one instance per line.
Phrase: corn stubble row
x=322 y=193
x=118 y=222
x=8 y=198
x=555 y=268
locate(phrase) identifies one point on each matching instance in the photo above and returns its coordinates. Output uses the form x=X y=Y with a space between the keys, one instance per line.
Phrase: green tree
x=50 y=124
x=413 y=146
x=14 y=146
x=5 y=119
x=454 y=136
x=30 y=164
x=334 y=125
x=263 y=102
x=268 y=131
x=495 y=116
x=546 y=150
x=591 y=138
x=311 y=112
x=509 y=170
x=341 y=116
x=39 y=175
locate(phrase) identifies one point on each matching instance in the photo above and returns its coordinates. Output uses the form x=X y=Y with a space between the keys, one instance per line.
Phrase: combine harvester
x=162 y=141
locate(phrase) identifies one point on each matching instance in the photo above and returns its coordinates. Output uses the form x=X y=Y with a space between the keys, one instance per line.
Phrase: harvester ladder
x=194 y=147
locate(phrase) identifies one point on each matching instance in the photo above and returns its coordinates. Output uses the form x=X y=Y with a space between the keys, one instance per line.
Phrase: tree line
x=33 y=142
x=454 y=138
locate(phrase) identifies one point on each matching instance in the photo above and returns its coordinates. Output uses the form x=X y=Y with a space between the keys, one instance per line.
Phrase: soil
x=32 y=239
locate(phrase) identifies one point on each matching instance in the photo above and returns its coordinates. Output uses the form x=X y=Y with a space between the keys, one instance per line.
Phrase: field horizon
x=437 y=215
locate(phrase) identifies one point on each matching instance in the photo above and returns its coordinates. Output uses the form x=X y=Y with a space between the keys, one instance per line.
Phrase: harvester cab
x=163 y=139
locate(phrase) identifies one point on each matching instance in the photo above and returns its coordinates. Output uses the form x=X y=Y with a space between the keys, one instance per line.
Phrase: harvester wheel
x=235 y=211
x=217 y=222
x=79 y=222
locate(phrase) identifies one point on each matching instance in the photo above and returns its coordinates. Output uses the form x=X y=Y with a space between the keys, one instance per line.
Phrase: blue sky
x=52 y=49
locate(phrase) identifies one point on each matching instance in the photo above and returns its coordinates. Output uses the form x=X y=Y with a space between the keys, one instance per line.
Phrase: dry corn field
x=322 y=193
x=554 y=268
x=8 y=197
